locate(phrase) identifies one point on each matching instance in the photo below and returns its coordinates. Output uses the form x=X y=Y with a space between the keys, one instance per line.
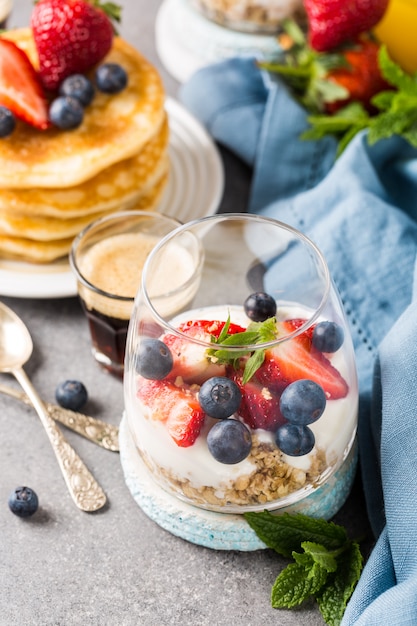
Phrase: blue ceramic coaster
x=220 y=531
x=187 y=41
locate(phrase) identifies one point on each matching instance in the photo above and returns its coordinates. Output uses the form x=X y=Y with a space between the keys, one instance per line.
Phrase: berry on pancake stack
x=83 y=128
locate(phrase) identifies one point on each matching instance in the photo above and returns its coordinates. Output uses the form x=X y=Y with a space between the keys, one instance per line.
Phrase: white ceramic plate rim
x=194 y=190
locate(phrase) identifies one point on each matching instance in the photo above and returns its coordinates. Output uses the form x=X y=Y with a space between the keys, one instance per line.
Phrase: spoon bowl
x=16 y=347
x=16 y=344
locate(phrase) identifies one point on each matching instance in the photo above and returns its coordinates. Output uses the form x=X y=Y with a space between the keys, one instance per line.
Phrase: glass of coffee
x=107 y=258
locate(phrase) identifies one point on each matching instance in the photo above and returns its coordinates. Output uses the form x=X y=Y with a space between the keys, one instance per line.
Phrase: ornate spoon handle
x=84 y=489
x=93 y=429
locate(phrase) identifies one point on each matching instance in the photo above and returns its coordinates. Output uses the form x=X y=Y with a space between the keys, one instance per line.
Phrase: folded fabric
x=361 y=210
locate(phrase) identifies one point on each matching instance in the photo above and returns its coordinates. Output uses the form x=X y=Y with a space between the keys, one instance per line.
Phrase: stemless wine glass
x=240 y=383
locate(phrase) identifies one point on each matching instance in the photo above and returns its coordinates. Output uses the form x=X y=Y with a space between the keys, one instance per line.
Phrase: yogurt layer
x=195 y=473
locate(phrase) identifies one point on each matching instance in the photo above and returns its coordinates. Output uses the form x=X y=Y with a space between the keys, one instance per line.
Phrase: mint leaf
x=334 y=597
x=285 y=533
x=395 y=75
x=320 y=555
x=327 y=564
x=296 y=584
x=392 y=123
x=411 y=136
x=383 y=100
x=344 y=125
x=252 y=365
x=256 y=333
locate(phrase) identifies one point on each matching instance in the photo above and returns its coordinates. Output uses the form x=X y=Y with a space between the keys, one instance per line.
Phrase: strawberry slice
x=20 y=88
x=175 y=405
x=259 y=407
x=297 y=358
x=191 y=361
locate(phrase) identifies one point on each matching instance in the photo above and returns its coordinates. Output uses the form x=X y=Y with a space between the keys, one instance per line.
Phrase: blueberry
x=260 y=306
x=79 y=87
x=66 y=112
x=294 y=440
x=229 y=441
x=219 y=397
x=153 y=359
x=302 y=402
x=72 y=395
x=328 y=336
x=111 y=78
x=23 y=502
x=7 y=122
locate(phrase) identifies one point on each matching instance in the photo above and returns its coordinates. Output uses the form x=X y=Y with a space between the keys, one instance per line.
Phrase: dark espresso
x=108 y=336
x=113 y=265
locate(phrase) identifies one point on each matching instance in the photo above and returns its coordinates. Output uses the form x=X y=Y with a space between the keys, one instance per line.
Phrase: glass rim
x=119 y=215
x=223 y=217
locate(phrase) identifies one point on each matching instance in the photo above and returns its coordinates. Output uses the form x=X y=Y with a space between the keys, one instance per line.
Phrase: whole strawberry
x=333 y=22
x=71 y=36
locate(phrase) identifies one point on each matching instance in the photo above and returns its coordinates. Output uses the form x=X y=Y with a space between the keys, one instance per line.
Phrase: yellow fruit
x=397 y=30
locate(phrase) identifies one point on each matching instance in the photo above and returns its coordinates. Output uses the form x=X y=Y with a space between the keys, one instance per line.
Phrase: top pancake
x=115 y=127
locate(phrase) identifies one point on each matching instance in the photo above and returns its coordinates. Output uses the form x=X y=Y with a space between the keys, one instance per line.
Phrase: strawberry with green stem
x=327 y=82
x=71 y=36
x=397 y=111
x=291 y=359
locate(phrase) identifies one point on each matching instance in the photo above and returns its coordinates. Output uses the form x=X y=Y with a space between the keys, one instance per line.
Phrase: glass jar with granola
x=256 y=16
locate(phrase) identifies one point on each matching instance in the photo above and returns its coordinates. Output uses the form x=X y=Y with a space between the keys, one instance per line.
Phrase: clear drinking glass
x=240 y=384
x=107 y=258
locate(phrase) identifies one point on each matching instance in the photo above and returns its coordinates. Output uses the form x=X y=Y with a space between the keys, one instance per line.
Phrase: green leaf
x=296 y=584
x=411 y=136
x=252 y=365
x=320 y=555
x=391 y=123
x=285 y=533
x=256 y=333
x=395 y=75
x=335 y=595
x=383 y=100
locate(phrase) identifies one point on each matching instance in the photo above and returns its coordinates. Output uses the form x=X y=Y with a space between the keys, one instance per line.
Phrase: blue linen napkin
x=361 y=210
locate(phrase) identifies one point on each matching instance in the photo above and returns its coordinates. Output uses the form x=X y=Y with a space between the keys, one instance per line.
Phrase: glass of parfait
x=240 y=383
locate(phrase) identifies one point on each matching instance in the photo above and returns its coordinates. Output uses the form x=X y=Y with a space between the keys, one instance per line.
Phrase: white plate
x=194 y=190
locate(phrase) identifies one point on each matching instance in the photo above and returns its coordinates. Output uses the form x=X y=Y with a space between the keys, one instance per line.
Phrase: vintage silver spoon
x=99 y=432
x=15 y=349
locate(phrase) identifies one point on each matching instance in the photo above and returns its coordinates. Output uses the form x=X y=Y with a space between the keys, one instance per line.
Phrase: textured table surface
x=116 y=567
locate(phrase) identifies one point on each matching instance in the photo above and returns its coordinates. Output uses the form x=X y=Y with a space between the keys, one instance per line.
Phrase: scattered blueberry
x=23 y=502
x=302 y=402
x=328 y=336
x=7 y=122
x=66 y=112
x=153 y=359
x=294 y=440
x=78 y=86
x=72 y=395
x=111 y=78
x=219 y=397
x=260 y=306
x=229 y=441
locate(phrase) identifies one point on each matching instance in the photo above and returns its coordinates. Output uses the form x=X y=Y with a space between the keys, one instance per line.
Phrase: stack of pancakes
x=54 y=182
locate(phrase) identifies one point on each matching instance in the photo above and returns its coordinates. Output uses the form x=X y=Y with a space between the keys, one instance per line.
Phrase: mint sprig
x=396 y=111
x=327 y=564
x=256 y=333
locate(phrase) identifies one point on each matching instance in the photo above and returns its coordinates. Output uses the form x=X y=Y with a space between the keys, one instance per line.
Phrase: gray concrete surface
x=116 y=567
